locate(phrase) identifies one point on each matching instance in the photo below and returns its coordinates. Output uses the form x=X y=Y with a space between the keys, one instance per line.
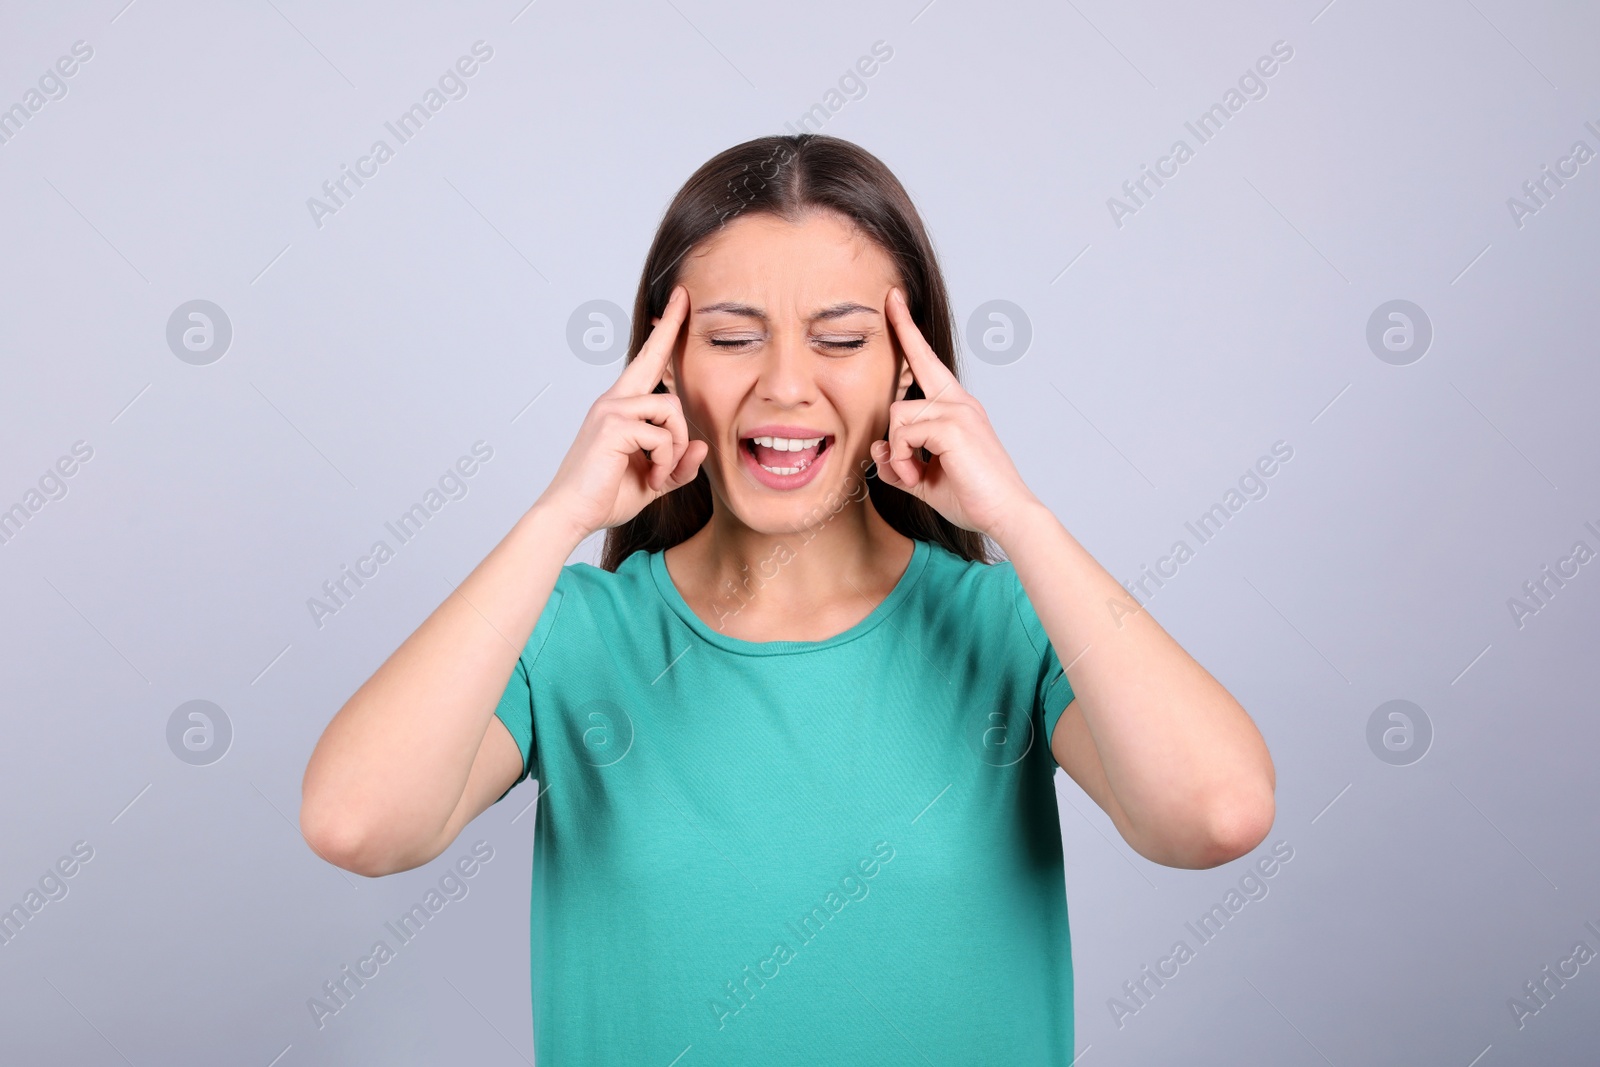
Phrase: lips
x=783 y=468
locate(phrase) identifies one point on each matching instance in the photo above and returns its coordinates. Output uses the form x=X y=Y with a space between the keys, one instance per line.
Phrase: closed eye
x=717 y=342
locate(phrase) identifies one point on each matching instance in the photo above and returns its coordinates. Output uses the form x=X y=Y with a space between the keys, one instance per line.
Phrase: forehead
x=767 y=260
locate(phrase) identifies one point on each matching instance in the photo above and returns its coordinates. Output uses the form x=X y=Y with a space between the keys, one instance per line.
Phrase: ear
x=666 y=374
x=907 y=378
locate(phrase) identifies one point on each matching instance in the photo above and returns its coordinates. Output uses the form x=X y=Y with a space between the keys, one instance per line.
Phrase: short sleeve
x=516 y=702
x=1053 y=692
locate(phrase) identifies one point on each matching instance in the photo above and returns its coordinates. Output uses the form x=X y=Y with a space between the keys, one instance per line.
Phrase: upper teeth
x=788 y=444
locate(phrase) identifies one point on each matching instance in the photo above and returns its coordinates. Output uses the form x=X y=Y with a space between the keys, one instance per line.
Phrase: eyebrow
x=836 y=311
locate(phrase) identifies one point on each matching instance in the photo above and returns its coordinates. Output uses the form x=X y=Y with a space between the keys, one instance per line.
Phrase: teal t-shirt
x=795 y=852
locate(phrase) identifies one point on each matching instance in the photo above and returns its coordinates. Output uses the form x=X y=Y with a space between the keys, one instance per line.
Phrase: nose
x=786 y=377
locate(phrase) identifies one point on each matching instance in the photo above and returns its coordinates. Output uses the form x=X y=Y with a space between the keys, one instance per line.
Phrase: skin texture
x=1155 y=740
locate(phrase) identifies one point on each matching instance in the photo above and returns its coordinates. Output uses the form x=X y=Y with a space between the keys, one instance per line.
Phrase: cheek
x=866 y=379
x=861 y=392
x=709 y=393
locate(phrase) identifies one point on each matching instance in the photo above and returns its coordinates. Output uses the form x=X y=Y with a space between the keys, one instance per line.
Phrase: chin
x=791 y=503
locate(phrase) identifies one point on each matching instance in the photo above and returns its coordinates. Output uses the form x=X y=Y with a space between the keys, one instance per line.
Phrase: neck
x=850 y=558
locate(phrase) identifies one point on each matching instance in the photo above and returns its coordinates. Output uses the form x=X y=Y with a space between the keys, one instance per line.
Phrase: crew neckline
x=674 y=600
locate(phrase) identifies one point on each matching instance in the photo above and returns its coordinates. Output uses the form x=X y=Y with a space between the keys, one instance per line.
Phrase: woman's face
x=787 y=342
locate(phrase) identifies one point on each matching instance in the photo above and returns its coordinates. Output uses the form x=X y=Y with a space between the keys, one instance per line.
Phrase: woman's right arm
x=413 y=755
x=417 y=753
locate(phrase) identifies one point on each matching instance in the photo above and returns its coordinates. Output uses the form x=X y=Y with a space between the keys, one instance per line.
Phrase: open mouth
x=783 y=456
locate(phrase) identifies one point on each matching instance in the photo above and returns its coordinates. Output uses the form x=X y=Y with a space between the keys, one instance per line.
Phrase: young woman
x=796 y=736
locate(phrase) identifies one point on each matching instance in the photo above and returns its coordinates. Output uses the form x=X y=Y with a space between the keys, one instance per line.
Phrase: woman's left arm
x=1181 y=758
x=1149 y=734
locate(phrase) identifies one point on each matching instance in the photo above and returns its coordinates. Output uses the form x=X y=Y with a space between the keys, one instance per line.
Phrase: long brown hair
x=786 y=176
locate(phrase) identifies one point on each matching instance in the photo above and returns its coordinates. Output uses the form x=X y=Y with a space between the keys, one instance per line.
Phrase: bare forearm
x=404 y=762
x=1183 y=760
x=392 y=765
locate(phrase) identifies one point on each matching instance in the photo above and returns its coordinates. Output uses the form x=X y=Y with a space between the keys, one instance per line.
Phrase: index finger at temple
x=929 y=369
x=644 y=372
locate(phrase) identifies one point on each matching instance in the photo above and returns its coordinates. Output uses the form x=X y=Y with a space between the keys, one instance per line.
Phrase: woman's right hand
x=606 y=478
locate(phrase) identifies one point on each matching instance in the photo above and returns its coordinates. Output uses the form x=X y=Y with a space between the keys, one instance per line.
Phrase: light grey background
x=1168 y=354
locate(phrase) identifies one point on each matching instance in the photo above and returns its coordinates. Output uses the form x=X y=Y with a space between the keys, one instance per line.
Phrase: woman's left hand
x=970 y=478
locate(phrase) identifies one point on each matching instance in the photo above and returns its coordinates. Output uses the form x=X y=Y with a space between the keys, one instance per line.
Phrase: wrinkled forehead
x=790 y=269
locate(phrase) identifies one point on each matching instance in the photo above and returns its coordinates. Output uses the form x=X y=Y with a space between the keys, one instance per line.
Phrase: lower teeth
x=783 y=471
